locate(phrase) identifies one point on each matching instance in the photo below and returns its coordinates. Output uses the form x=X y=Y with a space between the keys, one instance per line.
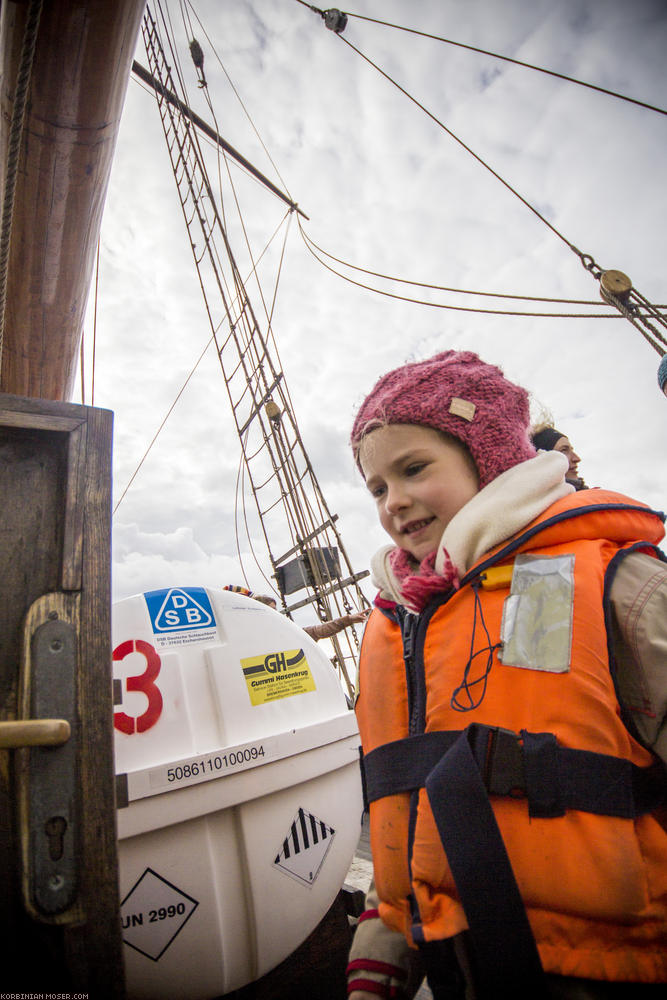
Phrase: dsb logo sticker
x=179 y=609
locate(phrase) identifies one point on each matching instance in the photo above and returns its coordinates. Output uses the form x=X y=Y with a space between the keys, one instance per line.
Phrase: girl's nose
x=396 y=498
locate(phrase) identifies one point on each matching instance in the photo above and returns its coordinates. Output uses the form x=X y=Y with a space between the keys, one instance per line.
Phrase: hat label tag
x=462 y=408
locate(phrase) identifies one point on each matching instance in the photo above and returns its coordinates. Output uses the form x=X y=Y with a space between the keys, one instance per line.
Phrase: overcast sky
x=387 y=189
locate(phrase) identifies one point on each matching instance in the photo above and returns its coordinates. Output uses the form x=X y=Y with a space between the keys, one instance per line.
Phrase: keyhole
x=54 y=828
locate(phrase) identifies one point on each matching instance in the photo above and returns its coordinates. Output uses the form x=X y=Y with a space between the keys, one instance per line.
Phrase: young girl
x=512 y=705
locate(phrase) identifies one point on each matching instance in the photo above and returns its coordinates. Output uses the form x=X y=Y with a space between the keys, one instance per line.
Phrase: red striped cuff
x=372 y=965
x=379 y=989
x=370 y=915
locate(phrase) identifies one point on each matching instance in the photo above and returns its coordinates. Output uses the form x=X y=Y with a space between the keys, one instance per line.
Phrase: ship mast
x=289 y=501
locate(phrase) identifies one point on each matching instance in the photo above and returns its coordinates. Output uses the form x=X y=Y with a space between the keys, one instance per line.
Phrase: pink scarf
x=419 y=584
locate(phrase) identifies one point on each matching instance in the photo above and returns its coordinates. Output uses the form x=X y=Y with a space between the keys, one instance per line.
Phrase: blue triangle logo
x=179 y=609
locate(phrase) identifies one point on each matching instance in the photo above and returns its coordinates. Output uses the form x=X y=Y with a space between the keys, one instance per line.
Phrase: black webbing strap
x=552 y=778
x=501 y=936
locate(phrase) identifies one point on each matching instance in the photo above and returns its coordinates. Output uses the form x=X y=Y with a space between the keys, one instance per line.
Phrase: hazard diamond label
x=305 y=847
x=153 y=913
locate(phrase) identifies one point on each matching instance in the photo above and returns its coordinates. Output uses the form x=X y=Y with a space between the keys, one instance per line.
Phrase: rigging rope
x=196 y=365
x=294 y=206
x=97 y=282
x=453 y=308
x=447 y=288
x=238 y=97
x=509 y=59
x=337 y=25
x=166 y=417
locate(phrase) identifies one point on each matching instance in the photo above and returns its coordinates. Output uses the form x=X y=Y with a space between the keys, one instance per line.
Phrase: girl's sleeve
x=379 y=957
x=639 y=600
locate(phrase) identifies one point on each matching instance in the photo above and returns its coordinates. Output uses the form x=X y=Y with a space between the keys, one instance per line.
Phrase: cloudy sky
x=387 y=189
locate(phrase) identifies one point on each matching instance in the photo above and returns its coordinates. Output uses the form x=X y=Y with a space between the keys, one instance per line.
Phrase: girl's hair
x=375 y=425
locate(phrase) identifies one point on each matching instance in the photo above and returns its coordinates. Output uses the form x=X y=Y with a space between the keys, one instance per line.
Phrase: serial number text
x=221 y=762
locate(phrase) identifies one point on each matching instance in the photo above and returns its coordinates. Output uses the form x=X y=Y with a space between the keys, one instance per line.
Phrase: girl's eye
x=377 y=492
x=415 y=468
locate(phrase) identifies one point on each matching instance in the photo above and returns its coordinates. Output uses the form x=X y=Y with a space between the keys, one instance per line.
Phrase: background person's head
x=437 y=431
x=262 y=598
x=550 y=439
x=662 y=374
x=266 y=599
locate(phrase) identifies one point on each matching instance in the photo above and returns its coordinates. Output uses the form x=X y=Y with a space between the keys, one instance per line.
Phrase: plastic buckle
x=505 y=775
x=499 y=754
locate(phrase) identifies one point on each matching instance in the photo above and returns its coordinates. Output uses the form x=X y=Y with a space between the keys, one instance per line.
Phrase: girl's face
x=419 y=480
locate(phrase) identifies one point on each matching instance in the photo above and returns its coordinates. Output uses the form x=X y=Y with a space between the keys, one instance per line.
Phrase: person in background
x=547 y=438
x=322 y=631
x=512 y=706
x=662 y=374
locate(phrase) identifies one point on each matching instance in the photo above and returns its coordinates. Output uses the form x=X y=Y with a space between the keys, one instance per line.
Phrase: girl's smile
x=420 y=479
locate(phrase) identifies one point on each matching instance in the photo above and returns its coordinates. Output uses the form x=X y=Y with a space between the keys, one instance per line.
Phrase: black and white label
x=153 y=913
x=305 y=847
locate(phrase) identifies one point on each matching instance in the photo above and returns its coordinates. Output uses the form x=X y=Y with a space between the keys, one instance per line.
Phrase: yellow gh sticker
x=277 y=675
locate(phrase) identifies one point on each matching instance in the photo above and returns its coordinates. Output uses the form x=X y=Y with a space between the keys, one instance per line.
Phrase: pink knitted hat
x=457 y=393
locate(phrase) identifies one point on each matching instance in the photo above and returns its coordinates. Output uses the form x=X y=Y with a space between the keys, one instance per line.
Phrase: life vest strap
x=501 y=936
x=551 y=777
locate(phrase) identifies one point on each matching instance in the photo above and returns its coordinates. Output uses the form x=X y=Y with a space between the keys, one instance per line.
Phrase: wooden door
x=59 y=912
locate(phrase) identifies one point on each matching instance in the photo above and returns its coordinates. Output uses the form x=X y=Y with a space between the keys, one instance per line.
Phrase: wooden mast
x=58 y=865
x=79 y=78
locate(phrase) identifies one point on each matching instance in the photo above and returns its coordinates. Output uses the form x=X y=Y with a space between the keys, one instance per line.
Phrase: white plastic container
x=238 y=788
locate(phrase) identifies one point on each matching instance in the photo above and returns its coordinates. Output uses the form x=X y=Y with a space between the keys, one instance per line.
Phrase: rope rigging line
x=464 y=145
x=240 y=487
x=508 y=59
x=97 y=284
x=158 y=431
x=453 y=308
x=246 y=343
x=293 y=206
x=238 y=97
x=243 y=336
x=447 y=288
x=82 y=348
x=243 y=226
x=336 y=21
x=181 y=390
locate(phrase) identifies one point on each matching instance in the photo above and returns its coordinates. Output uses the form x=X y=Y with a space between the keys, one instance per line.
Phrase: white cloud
x=386 y=189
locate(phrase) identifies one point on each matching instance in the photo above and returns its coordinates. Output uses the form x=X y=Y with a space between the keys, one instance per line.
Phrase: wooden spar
x=149 y=79
x=80 y=73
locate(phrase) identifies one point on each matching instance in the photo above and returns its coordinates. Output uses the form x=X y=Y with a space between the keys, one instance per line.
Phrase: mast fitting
x=335 y=20
x=273 y=411
x=615 y=283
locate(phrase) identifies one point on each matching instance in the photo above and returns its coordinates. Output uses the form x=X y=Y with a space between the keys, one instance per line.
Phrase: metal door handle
x=34 y=733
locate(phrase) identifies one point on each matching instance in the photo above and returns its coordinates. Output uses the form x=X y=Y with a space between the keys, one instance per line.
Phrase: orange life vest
x=594 y=886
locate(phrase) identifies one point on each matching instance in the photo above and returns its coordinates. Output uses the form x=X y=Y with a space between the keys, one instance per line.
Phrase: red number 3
x=140 y=682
